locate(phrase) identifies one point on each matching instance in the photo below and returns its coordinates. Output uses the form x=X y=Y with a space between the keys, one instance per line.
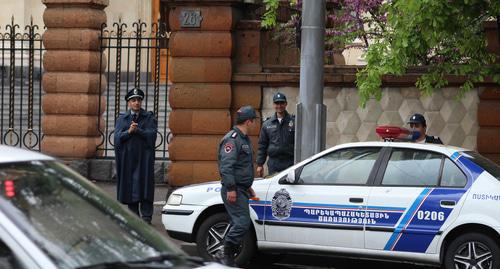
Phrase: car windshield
x=485 y=163
x=71 y=220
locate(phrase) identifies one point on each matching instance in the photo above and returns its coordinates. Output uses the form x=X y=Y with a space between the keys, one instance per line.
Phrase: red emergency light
x=9 y=188
x=391 y=133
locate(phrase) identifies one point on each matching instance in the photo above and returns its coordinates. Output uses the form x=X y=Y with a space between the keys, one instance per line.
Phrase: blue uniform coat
x=135 y=157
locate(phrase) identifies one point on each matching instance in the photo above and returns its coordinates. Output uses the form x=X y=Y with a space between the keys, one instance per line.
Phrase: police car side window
x=408 y=167
x=452 y=175
x=343 y=167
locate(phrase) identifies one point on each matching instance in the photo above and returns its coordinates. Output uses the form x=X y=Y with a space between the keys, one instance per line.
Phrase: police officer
x=135 y=137
x=276 y=138
x=417 y=122
x=237 y=173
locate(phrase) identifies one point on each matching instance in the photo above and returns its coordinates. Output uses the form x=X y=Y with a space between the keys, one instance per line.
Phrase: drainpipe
x=311 y=113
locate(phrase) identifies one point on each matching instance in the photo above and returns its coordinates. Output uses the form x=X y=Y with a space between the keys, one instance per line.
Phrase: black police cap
x=134 y=93
x=245 y=113
x=417 y=118
x=279 y=97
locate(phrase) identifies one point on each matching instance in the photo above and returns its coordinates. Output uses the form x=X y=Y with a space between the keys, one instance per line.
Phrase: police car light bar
x=394 y=133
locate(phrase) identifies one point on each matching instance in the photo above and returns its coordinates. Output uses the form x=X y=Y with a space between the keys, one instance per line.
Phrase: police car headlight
x=174 y=199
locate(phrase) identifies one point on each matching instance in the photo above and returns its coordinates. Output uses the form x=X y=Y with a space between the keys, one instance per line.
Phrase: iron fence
x=135 y=58
x=21 y=70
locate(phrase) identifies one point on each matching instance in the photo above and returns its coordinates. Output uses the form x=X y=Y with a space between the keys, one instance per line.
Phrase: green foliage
x=269 y=19
x=445 y=36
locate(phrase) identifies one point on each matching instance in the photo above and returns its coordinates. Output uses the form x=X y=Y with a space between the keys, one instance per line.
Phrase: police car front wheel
x=472 y=250
x=210 y=240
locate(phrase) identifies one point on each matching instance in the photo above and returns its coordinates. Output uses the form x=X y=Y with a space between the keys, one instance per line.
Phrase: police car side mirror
x=289 y=178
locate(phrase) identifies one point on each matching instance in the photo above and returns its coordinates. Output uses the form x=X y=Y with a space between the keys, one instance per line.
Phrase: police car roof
x=11 y=154
x=444 y=149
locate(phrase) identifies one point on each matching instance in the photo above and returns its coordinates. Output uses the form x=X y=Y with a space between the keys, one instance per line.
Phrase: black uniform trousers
x=239 y=215
x=143 y=209
x=276 y=165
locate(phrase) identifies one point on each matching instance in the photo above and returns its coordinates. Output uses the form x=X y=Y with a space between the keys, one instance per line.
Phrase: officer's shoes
x=229 y=253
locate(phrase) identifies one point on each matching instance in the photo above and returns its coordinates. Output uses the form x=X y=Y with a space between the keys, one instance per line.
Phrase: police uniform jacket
x=433 y=139
x=276 y=139
x=235 y=160
x=135 y=157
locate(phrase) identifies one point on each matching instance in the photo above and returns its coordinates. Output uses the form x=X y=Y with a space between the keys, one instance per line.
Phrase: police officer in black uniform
x=276 y=138
x=135 y=137
x=417 y=122
x=237 y=173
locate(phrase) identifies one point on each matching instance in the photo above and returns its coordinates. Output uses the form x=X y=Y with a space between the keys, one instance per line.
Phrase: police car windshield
x=71 y=220
x=486 y=164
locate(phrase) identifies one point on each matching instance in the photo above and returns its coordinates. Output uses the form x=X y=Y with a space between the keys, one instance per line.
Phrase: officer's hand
x=133 y=127
x=251 y=192
x=260 y=171
x=231 y=196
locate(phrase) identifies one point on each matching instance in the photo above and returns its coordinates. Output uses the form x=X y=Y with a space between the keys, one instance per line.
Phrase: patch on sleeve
x=228 y=147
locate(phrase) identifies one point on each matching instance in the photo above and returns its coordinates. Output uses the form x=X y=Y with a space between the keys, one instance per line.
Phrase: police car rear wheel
x=210 y=240
x=472 y=250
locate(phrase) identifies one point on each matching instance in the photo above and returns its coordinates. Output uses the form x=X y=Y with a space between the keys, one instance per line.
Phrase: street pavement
x=287 y=262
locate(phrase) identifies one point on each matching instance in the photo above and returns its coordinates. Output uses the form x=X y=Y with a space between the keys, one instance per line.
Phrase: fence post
x=72 y=76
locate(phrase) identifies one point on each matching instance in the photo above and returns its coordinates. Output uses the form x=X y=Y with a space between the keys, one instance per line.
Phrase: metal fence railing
x=21 y=52
x=135 y=57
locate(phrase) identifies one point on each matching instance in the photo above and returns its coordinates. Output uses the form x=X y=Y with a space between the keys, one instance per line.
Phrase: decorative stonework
x=453 y=120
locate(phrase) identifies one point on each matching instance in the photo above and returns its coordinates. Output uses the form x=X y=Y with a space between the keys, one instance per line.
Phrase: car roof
x=10 y=154
x=444 y=149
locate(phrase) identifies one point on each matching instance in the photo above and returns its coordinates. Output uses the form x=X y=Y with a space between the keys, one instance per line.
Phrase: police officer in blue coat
x=237 y=172
x=417 y=122
x=276 y=139
x=135 y=137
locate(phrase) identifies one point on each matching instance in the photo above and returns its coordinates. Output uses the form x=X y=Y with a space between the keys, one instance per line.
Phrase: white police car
x=422 y=203
x=51 y=217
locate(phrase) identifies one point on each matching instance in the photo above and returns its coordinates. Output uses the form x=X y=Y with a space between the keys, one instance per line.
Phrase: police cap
x=245 y=113
x=279 y=97
x=134 y=93
x=417 y=118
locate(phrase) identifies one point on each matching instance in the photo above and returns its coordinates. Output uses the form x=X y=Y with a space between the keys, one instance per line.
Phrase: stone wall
x=455 y=121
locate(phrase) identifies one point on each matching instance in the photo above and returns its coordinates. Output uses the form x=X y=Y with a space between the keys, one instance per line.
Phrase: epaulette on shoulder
x=234 y=134
x=267 y=118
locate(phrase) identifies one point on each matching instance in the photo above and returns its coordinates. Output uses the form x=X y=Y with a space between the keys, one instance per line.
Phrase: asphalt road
x=287 y=262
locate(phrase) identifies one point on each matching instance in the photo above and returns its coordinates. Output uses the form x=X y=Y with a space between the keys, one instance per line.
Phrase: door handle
x=355 y=200
x=448 y=203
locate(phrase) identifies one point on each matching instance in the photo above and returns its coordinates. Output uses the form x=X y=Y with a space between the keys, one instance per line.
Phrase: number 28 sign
x=190 y=18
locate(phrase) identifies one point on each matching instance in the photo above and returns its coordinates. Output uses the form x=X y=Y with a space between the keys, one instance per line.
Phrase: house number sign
x=191 y=18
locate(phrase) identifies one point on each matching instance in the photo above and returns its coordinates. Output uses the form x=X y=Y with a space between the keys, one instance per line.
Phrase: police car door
x=326 y=204
x=414 y=194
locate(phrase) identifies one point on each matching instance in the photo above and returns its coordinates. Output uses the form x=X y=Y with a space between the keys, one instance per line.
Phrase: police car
x=51 y=217
x=420 y=203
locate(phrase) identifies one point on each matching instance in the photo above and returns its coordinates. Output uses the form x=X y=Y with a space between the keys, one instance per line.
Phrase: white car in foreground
x=421 y=203
x=51 y=217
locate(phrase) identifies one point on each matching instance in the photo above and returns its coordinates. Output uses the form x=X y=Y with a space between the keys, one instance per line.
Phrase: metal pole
x=311 y=113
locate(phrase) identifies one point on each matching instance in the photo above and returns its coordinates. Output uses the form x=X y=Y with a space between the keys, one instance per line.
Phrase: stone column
x=201 y=47
x=488 y=143
x=72 y=76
